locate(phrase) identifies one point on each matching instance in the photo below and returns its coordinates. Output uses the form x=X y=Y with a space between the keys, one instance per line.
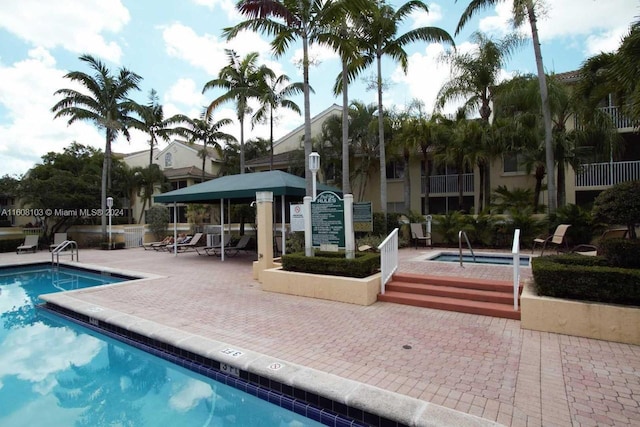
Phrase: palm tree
x=381 y=25
x=152 y=121
x=241 y=80
x=288 y=20
x=207 y=131
x=364 y=141
x=147 y=179
x=474 y=75
x=106 y=105
x=526 y=9
x=275 y=93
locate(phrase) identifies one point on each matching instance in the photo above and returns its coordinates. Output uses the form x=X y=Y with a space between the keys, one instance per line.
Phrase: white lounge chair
x=30 y=244
x=58 y=239
x=417 y=235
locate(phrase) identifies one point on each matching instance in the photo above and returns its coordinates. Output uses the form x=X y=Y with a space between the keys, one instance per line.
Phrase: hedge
x=333 y=264
x=10 y=245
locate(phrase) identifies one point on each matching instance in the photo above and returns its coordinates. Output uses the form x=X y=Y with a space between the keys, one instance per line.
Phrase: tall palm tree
x=526 y=9
x=147 y=180
x=207 y=131
x=105 y=103
x=288 y=20
x=241 y=80
x=151 y=120
x=362 y=131
x=274 y=93
x=381 y=24
x=474 y=75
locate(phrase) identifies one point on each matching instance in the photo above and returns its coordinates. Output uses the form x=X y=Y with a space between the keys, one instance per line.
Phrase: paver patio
x=480 y=365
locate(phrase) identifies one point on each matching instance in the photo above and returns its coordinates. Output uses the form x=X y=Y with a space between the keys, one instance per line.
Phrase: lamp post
x=314 y=167
x=109 y=206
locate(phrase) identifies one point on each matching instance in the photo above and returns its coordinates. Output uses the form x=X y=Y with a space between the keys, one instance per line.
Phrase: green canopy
x=241 y=186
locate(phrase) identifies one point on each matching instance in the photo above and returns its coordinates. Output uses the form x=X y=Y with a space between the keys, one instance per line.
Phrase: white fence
x=133 y=236
x=388 y=258
x=605 y=174
x=439 y=184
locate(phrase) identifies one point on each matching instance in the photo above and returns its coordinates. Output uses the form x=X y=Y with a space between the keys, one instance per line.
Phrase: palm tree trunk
x=103 y=187
x=152 y=143
x=307 y=113
x=346 y=185
x=241 y=118
x=271 y=137
x=427 y=189
x=483 y=177
x=407 y=184
x=546 y=109
x=383 y=160
x=538 y=188
x=562 y=197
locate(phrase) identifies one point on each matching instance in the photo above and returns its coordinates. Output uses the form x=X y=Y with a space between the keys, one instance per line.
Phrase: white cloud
x=608 y=41
x=424 y=19
x=226 y=5
x=75 y=26
x=189 y=395
x=29 y=130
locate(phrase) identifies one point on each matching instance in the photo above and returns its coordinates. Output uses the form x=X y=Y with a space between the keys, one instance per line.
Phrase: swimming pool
x=483 y=258
x=53 y=367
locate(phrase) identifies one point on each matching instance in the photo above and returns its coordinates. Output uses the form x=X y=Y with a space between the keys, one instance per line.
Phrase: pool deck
x=482 y=366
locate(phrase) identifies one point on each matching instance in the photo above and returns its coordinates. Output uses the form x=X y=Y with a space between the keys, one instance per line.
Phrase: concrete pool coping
x=394 y=406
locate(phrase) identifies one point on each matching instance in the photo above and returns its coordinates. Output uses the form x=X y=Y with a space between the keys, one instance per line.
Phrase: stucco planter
x=335 y=288
x=579 y=318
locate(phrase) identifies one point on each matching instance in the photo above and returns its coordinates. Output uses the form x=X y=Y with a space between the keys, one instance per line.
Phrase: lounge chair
x=557 y=239
x=213 y=249
x=58 y=239
x=240 y=246
x=417 y=235
x=593 y=250
x=158 y=246
x=184 y=247
x=30 y=244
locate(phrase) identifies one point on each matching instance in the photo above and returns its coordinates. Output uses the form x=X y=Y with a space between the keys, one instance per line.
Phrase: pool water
x=496 y=259
x=54 y=372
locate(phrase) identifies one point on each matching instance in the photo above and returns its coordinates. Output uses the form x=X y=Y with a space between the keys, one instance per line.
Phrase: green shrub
x=379 y=223
x=158 y=219
x=623 y=253
x=585 y=278
x=450 y=224
x=581 y=230
x=333 y=263
x=10 y=245
x=619 y=204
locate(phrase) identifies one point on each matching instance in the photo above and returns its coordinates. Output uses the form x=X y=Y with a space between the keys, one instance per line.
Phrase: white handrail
x=388 y=258
x=515 y=250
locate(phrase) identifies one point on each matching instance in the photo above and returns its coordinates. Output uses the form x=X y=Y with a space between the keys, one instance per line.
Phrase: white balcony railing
x=606 y=174
x=441 y=184
x=619 y=120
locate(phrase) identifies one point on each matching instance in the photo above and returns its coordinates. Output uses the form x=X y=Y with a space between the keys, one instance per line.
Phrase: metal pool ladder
x=460 y=234
x=71 y=244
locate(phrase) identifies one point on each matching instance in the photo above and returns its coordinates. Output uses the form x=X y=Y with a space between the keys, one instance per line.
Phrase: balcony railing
x=606 y=174
x=441 y=184
x=619 y=120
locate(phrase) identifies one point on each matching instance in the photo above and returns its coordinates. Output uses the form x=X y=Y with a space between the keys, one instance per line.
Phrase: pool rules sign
x=327 y=220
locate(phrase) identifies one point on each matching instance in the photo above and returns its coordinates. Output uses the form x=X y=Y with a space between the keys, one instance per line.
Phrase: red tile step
x=475 y=296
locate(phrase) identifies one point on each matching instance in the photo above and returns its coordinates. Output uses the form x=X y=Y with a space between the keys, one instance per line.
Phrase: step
x=460 y=282
x=452 y=304
x=502 y=297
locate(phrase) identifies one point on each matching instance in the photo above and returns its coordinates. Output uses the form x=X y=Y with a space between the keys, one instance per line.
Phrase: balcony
x=607 y=174
x=619 y=120
x=447 y=184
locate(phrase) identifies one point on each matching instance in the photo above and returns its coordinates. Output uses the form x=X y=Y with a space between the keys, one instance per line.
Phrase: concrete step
x=465 y=295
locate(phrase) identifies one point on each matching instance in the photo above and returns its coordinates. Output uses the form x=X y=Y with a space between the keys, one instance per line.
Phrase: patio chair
x=593 y=250
x=30 y=244
x=240 y=246
x=418 y=235
x=58 y=239
x=184 y=247
x=158 y=246
x=557 y=239
x=213 y=249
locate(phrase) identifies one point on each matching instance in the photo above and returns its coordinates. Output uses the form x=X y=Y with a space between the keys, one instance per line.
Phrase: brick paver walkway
x=484 y=366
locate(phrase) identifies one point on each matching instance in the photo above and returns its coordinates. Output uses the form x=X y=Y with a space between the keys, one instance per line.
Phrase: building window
x=513 y=162
x=176 y=185
x=395 y=170
x=168 y=160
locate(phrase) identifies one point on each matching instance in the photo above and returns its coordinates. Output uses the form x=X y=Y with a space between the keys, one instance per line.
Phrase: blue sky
x=176 y=46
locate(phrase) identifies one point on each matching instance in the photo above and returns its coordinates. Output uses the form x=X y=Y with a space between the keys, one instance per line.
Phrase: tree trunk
x=562 y=196
x=407 y=184
x=346 y=184
x=103 y=195
x=482 y=177
x=271 y=137
x=538 y=188
x=383 y=160
x=546 y=109
x=427 y=189
x=241 y=118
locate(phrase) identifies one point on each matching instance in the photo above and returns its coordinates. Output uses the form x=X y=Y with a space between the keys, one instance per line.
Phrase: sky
x=177 y=46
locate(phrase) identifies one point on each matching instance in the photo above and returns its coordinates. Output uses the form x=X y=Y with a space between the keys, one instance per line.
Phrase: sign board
x=362 y=216
x=296 y=212
x=327 y=220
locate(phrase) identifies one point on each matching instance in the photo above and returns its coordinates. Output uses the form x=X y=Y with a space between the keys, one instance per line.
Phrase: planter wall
x=583 y=319
x=335 y=288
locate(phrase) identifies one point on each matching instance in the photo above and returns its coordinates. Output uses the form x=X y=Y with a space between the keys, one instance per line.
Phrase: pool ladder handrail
x=71 y=244
x=460 y=234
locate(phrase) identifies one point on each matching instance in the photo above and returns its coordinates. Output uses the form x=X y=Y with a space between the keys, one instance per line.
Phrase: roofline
x=325 y=112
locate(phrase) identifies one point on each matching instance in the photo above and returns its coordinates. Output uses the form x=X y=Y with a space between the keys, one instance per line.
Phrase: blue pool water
x=54 y=372
x=495 y=259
